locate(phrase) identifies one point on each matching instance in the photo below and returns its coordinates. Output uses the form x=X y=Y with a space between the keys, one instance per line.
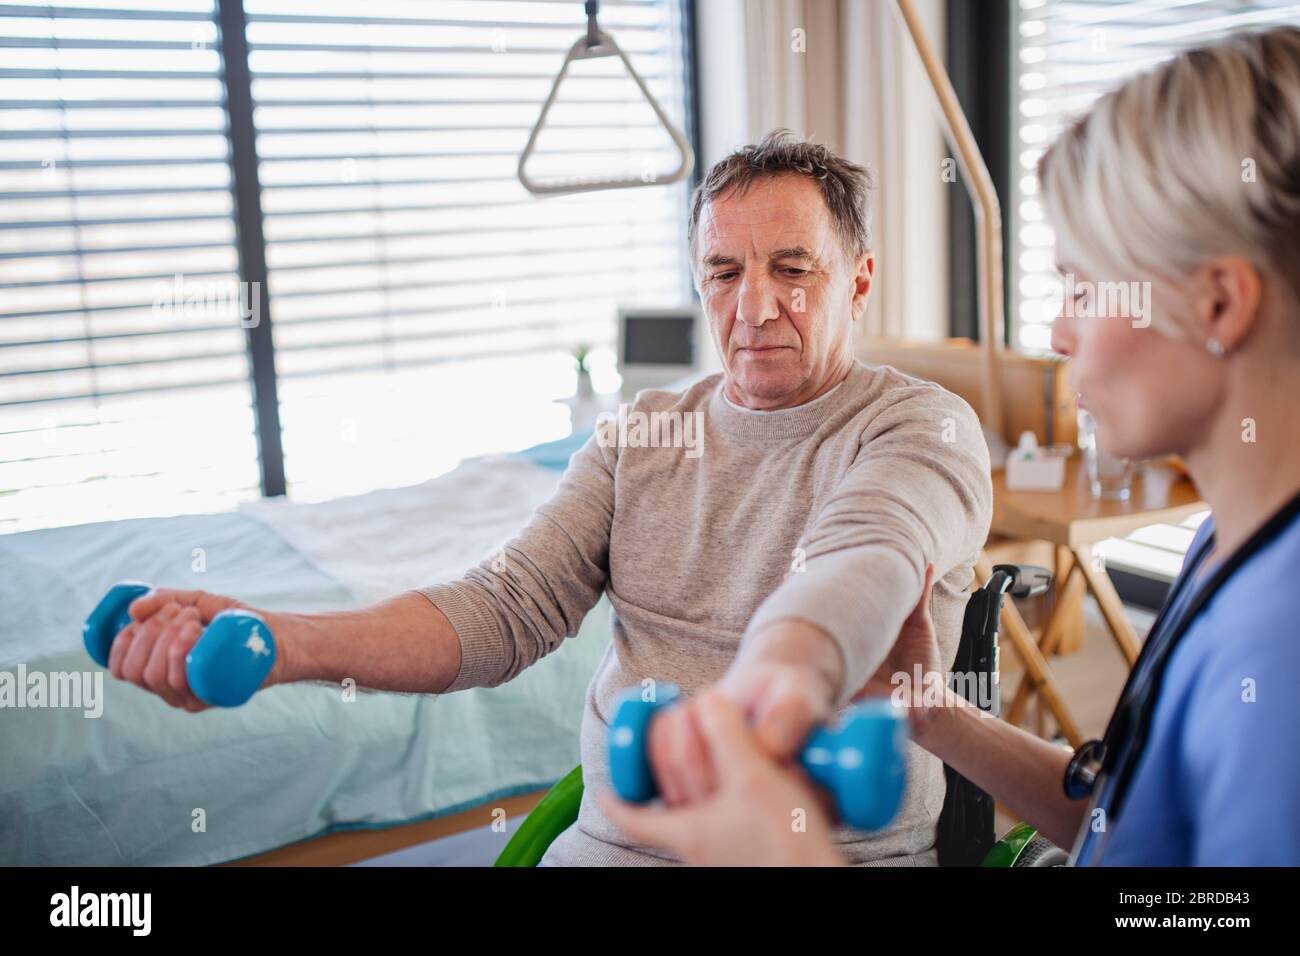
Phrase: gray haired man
x=776 y=565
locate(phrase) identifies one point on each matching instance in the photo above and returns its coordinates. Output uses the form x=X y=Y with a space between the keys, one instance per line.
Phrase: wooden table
x=1074 y=521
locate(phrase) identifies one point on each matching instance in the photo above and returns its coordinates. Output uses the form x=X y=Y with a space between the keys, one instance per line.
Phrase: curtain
x=843 y=73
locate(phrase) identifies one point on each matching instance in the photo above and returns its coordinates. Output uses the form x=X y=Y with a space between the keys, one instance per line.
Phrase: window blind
x=1067 y=54
x=123 y=380
x=425 y=305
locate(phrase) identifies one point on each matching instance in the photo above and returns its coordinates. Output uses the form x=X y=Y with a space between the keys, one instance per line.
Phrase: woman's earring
x=1215 y=348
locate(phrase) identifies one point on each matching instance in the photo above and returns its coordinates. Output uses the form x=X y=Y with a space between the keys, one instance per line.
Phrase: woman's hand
x=916 y=645
x=758 y=813
x=784 y=680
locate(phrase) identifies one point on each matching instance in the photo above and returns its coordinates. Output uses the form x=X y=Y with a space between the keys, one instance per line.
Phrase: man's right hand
x=150 y=651
x=403 y=644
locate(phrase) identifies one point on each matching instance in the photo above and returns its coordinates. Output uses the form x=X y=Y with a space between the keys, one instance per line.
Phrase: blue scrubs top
x=1218 y=783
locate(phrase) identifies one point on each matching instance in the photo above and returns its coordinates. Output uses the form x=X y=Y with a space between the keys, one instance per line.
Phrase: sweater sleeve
x=516 y=607
x=917 y=493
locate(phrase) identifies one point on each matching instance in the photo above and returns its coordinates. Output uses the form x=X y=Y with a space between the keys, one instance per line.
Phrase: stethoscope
x=1106 y=766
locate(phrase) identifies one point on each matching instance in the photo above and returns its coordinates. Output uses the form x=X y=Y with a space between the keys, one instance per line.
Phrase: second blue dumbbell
x=860 y=759
x=225 y=667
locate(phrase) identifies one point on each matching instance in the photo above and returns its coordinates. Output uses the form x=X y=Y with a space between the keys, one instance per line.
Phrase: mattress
x=143 y=784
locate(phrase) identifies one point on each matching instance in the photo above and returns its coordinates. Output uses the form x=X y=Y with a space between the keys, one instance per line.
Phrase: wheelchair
x=965 y=833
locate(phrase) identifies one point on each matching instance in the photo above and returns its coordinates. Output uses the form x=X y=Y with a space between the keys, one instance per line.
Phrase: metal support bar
x=988 y=213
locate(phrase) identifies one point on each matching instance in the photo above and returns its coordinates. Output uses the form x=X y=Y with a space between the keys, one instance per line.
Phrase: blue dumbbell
x=225 y=667
x=859 y=759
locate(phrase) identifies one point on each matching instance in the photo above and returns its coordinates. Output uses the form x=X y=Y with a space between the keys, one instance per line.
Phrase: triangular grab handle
x=585 y=49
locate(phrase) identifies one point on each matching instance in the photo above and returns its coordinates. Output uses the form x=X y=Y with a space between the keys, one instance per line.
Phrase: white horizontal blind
x=425 y=305
x=115 y=399
x=1070 y=52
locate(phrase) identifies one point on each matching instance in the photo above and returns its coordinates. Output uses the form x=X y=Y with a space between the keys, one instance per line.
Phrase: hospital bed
x=145 y=784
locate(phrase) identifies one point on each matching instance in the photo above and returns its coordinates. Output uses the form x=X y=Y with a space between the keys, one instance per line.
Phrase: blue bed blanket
x=145 y=784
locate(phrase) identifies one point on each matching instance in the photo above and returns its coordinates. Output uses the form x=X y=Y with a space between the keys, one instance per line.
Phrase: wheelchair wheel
x=1042 y=852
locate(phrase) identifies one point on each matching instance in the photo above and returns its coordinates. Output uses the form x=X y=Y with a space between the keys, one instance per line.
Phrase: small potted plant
x=585 y=389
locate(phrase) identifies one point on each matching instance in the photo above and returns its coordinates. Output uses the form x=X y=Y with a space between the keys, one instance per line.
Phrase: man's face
x=779 y=291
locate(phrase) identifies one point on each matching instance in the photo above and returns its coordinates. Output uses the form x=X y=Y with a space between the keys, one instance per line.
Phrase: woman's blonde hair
x=1195 y=158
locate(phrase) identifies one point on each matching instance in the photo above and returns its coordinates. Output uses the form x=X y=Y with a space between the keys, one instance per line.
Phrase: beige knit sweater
x=827 y=512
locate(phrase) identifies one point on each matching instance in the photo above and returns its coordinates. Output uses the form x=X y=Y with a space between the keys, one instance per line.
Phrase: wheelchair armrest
x=1026 y=580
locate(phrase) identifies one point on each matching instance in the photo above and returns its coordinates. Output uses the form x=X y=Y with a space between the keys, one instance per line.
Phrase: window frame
x=251 y=240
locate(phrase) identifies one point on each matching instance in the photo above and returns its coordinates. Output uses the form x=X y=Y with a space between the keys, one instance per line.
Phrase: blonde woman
x=1186 y=180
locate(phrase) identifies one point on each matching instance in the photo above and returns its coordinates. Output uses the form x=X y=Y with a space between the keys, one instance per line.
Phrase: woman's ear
x=1229 y=302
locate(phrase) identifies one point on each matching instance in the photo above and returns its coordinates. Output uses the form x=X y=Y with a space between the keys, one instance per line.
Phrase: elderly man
x=776 y=558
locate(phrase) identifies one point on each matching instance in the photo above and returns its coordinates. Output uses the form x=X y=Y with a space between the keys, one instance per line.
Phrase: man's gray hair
x=845 y=186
